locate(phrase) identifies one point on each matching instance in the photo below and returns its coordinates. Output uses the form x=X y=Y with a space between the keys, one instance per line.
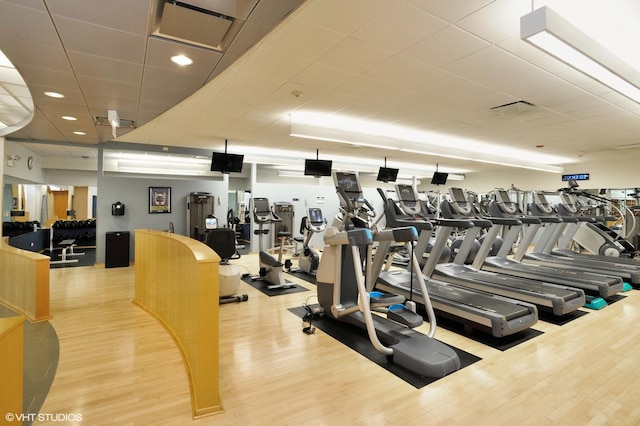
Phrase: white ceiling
x=432 y=65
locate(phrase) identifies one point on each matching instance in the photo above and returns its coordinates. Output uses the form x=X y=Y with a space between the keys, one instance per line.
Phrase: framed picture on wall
x=159 y=199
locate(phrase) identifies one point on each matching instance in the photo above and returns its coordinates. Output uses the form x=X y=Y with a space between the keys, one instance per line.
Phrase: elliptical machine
x=271 y=268
x=313 y=223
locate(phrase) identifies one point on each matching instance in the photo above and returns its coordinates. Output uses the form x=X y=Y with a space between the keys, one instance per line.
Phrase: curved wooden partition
x=24 y=282
x=11 y=361
x=177 y=281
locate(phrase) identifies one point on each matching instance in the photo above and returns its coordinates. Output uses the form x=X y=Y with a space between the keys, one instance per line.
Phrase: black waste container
x=117 y=250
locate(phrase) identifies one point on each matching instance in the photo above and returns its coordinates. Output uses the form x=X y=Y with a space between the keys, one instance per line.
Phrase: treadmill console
x=408 y=199
x=459 y=201
x=542 y=204
x=568 y=204
x=505 y=203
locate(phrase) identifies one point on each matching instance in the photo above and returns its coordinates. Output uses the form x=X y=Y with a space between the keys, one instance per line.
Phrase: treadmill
x=595 y=285
x=557 y=299
x=474 y=309
x=568 y=208
x=545 y=253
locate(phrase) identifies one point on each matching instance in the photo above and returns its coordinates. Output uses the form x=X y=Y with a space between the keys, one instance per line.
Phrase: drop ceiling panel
x=99 y=105
x=163 y=97
x=23 y=54
x=116 y=89
x=354 y=56
x=322 y=76
x=304 y=40
x=106 y=68
x=101 y=41
x=399 y=68
x=45 y=77
x=449 y=10
x=384 y=29
x=123 y=15
x=497 y=20
x=269 y=12
x=248 y=35
x=341 y=16
x=40 y=30
x=163 y=79
x=446 y=46
x=160 y=51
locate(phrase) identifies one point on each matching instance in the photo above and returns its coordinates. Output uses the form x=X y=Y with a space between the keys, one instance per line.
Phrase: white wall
x=604 y=174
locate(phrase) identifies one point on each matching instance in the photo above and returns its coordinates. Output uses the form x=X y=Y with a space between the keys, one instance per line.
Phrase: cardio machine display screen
x=406 y=193
x=261 y=206
x=315 y=215
x=504 y=197
x=458 y=195
x=348 y=182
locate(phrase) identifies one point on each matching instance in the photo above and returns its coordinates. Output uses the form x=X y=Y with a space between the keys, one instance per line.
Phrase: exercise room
x=319 y=212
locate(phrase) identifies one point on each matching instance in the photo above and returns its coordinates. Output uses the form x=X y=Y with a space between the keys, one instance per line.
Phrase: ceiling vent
x=514 y=108
x=194 y=25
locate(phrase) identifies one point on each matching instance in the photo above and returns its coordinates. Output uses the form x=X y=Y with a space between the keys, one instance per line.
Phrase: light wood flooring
x=119 y=366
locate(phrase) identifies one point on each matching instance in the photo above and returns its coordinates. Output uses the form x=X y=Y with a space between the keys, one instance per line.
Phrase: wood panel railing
x=176 y=280
x=12 y=364
x=24 y=282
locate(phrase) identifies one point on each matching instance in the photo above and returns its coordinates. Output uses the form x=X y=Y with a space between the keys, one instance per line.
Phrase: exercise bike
x=271 y=268
x=309 y=258
x=223 y=242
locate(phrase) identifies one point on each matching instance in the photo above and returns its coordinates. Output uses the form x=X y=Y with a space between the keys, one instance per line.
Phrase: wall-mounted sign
x=576 y=176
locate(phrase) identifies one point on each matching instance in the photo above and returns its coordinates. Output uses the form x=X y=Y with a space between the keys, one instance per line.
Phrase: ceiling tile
x=384 y=29
x=124 y=15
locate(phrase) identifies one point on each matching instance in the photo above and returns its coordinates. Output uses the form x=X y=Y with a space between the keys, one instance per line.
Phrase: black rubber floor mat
x=262 y=286
x=356 y=338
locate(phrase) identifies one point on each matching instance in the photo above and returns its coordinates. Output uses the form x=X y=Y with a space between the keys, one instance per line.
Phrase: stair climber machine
x=309 y=259
x=271 y=268
x=594 y=285
x=556 y=299
x=475 y=310
x=549 y=250
x=342 y=278
x=596 y=237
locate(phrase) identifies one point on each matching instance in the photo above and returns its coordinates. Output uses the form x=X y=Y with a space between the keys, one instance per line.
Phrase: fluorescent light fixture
x=181 y=60
x=340 y=129
x=548 y=31
x=68 y=118
x=79 y=133
x=54 y=95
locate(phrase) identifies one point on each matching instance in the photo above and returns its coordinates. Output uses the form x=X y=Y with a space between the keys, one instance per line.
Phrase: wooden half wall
x=24 y=282
x=176 y=280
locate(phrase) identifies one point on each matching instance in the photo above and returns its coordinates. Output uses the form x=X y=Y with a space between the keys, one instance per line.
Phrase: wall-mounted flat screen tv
x=387 y=174
x=226 y=163
x=439 y=178
x=317 y=168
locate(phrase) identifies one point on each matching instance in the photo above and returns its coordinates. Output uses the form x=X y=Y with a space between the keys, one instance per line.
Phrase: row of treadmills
x=500 y=292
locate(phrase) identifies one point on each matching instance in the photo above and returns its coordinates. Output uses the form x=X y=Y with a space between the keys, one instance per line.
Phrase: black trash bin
x=117 y=250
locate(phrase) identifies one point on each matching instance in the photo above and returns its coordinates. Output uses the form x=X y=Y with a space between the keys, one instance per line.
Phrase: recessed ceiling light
x=181 y=60
x=79 y=133
x=68 y=117
x=54 y=94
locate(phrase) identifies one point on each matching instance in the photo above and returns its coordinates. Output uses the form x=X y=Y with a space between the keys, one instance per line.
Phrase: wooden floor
x=119 y=366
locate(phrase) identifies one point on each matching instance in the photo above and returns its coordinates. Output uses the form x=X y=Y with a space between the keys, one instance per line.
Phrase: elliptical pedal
x=405 y=316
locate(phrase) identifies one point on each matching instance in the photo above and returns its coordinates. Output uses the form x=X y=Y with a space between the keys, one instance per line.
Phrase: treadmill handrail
x=508 y=221
x=455 y=223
